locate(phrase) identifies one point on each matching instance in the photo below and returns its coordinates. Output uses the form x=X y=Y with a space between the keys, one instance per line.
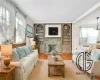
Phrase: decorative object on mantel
x=6 y=51
x=54 y=53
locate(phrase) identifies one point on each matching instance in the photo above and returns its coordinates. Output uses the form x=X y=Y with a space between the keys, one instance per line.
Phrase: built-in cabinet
x=66 y=38
x=63 y=43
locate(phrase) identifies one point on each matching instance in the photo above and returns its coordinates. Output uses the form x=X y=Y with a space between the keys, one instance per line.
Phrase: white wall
x=86 y=21
x=29 y=22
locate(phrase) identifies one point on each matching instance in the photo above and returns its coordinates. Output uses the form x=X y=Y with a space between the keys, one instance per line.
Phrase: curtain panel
x=7 y=32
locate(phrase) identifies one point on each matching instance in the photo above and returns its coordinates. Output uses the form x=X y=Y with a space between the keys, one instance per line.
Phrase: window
x=88 y=36
x=20 y=31
x=4 y=25
x=4 y=16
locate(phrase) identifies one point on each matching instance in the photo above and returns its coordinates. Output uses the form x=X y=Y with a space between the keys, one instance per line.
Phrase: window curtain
x=7 y=32
x=88 y=36
x=20 y=28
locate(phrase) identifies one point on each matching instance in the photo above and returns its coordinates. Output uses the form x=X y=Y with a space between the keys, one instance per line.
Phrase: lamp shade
x=6 y=49
x=33 y=43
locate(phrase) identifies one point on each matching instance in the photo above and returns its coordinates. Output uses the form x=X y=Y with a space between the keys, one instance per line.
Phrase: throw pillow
x=21 y=52
x=95 y=55
x=27 y=50
x=15 y=55
x=30 y=48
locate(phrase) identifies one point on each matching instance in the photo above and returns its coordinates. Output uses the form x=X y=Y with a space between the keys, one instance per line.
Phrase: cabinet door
x=2 y=76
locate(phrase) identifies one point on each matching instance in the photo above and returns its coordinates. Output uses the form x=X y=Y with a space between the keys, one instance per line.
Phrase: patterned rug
x=40 y=72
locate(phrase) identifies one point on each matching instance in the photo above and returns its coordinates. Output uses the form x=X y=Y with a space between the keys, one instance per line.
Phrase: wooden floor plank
x=65 y=56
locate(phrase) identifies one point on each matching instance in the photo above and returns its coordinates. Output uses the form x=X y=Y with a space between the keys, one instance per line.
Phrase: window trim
x=16 y=33
x=89 y=26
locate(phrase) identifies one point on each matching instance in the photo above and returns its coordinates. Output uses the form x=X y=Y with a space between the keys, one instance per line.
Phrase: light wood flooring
x=65 y=56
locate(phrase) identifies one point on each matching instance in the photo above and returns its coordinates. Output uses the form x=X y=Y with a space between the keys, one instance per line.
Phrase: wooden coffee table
x=56 y=67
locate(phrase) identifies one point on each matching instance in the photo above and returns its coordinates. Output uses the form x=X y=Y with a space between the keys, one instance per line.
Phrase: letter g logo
x=82 y=62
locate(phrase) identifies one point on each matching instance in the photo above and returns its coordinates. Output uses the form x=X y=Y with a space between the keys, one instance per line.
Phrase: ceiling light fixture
x=97 y=24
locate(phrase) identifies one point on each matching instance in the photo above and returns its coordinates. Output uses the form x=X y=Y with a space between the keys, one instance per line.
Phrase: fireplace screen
x=51 y=47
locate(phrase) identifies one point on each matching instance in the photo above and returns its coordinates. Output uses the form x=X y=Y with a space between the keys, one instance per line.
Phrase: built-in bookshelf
x=66 y=38
x=64 y=42
x=40 y=32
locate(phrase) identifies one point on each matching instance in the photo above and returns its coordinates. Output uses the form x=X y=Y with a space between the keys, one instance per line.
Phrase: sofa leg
x=91 y=77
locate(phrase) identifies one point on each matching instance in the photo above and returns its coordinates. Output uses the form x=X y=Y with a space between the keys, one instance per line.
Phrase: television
x=53 y=30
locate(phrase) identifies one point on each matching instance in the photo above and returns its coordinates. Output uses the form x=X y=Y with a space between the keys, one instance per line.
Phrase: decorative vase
x=55 y=59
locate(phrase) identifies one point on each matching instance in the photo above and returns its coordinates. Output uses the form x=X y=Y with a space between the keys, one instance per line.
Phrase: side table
x=7 y=74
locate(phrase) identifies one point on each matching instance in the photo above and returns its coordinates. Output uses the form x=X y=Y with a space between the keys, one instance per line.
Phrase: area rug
x=40 y=72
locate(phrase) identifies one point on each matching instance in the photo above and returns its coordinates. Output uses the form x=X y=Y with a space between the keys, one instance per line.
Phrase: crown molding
x=88 y=12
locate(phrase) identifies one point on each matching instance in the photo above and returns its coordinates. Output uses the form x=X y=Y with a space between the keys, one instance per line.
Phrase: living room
x=49 y=40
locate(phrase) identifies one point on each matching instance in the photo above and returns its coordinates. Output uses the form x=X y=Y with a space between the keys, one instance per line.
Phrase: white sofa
x=95 y=57
x=26 y=62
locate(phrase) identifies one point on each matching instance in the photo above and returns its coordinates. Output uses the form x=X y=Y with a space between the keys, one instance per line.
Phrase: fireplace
x=51 y=44
x=51 y=47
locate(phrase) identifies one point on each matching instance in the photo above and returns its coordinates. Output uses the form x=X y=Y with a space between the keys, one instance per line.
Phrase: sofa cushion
x=27 y=50
x=30 y=47
x=15 y=55
x=95 y=55
x=21 y=52
x=27 y=61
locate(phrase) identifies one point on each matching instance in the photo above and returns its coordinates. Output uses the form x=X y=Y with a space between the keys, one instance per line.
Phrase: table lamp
x=33 y=43
x=6 y=51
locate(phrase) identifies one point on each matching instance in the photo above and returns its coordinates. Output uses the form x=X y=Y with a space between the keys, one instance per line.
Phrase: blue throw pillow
x=95 y=55
x=15 y=55
x=27 y=50
x=21 y=52
x=30 y=48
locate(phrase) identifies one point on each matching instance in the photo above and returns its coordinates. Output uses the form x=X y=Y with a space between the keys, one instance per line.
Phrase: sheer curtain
x=20 y=27
x=88 y=35
x=6 y=26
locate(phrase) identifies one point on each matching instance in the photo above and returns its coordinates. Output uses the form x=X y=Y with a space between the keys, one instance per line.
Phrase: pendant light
x=97 y=24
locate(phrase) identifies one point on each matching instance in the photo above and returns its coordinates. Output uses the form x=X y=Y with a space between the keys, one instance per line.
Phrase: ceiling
x=55 y=11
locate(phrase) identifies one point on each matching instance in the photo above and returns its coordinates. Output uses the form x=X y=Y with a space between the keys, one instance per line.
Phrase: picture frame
x=47 y=27
x=29 y=31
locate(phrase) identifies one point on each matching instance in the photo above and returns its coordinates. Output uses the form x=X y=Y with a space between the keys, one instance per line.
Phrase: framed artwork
x=29 y=31
x=52 y=30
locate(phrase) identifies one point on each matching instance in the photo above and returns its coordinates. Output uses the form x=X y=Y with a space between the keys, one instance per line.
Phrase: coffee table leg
x=48 y=71
x=63 y=72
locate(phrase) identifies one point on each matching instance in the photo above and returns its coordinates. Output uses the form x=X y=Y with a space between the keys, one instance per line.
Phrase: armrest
x=95 y=68
x=15 y=64
x=19 y=71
